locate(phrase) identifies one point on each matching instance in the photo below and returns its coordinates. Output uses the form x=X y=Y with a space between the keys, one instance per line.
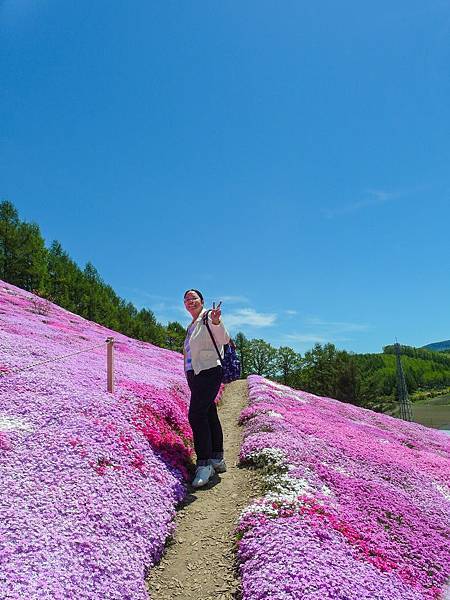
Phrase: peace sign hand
x=216 y=313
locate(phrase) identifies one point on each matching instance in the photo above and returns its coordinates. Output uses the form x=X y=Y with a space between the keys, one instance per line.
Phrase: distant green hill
x=427 y=374
x=438 y=346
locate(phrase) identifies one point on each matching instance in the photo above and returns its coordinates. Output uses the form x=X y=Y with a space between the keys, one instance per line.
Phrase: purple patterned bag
x=231 y=365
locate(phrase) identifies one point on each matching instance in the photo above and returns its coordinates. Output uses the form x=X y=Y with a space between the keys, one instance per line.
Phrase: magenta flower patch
x=357 y=503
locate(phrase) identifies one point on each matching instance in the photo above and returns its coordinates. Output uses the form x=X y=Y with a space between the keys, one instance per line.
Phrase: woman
x=204 y=375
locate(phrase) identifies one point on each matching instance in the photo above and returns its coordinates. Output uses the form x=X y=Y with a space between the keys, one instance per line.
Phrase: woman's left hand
x=216 y=314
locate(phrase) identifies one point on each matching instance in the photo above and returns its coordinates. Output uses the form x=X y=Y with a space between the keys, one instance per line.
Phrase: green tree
x=9 y=224
x=175 y=336
x=147 y=328
x=127 y=316
x=318 y=372
x=346 y=378
x=243 y=352
x=31 y=258
x=90 y=294
x=287 y=363
x=23 y=257
x=262 y=358
x=59 y=275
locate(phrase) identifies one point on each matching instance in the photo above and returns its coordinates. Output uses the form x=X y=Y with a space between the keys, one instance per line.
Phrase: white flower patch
x=257 y=397
x=341 y=470
x=271 y=458
x=446 y=592
x=284 y=493
x=307 y=398
x=445 y=491
x=273 y=413
x=338 y=469
x=14 y=424
x=326 y=490
x=278 y=386
x=288 y=498
x=259 y=508
x=288 y=395
x=286 y=487
x=280 y=394
x=284 y=490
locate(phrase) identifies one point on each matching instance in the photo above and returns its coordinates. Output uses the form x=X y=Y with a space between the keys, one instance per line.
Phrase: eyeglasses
x=191 y=299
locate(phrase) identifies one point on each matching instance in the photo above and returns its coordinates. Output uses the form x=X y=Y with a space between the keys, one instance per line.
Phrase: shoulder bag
x=231 y=365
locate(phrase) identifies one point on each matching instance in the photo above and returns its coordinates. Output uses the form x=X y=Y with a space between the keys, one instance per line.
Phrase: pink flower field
x=89 y=480
x=357 y=504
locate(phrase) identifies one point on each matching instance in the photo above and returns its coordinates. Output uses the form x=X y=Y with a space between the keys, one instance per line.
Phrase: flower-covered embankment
x=89 y=480
x=357 y=504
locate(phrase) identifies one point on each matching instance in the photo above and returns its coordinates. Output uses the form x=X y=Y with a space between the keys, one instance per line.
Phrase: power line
x=16 y=370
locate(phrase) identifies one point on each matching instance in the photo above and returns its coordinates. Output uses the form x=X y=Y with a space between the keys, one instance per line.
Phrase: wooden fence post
x=110 y=364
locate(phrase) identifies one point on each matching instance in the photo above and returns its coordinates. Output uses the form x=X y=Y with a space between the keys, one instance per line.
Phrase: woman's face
x=192 y=302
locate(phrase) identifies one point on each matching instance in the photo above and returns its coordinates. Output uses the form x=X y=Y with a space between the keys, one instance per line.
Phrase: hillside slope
x=437 y=346
x=89 y=480
x=357 y=503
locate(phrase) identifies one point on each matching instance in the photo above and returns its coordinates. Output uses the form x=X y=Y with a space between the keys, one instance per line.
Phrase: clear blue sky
x=289 y=158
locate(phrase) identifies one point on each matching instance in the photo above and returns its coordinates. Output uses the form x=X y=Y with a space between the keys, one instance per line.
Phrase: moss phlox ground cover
x=357 y=504
x=89 y=480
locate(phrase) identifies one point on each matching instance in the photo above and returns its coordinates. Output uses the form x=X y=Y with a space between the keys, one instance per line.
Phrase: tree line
x=367 y=380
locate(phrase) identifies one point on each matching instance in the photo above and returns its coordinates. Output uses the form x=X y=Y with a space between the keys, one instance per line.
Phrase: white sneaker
x=203 y=475
x=219 y=465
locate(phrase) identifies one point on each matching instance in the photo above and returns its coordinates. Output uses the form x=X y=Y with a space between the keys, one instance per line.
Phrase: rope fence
x=109 y=362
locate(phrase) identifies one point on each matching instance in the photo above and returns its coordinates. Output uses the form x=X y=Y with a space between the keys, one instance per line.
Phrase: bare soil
x=199 y=563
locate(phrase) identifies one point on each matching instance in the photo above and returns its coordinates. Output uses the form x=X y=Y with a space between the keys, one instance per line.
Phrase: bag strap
x=205 y=322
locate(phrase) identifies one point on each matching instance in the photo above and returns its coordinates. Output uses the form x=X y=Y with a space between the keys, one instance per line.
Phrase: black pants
x=203 y=417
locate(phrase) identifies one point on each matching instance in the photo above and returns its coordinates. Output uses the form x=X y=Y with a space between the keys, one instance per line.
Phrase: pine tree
x=243 y=352
x=31 y=258
x=9 y=224
x=23 y=257
x=175 y=336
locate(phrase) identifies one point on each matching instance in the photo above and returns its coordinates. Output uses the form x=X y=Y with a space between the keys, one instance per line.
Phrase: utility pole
x=110 y=365
x=405 y=403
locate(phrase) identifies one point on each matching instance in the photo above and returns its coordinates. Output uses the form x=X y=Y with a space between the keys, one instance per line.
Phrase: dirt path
x=199 y=564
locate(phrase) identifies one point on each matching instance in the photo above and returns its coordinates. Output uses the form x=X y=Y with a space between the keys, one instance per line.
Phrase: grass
x=435 y=401
x=434 y=397
x=430 y=410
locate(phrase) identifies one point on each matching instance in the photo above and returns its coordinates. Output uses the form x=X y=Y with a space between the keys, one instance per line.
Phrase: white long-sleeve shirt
x=203 y=355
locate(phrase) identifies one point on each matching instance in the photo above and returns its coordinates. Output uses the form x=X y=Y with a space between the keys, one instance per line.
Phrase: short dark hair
x=199 y=294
